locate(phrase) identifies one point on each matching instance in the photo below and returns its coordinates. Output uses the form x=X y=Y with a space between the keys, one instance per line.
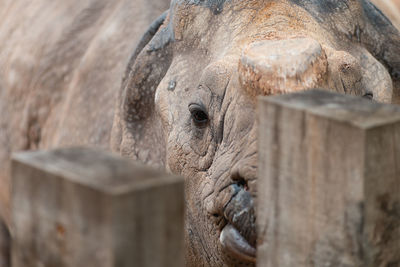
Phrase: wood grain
x=329 y=181
x=84 y=207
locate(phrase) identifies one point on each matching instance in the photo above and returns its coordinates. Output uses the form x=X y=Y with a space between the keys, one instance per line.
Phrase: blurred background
x=61 y=65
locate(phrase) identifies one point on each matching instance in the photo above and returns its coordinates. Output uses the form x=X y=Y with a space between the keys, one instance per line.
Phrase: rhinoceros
x=187 y=100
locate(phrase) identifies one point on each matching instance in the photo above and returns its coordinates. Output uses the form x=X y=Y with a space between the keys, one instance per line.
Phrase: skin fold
x=391 y=8
x=188 y=99
x=187 y=103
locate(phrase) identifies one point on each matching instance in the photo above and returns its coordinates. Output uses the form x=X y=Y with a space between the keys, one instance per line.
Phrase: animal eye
x=199 y=114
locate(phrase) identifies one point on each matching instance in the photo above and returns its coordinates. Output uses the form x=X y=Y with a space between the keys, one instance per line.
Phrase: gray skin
x=59 y=82
x=61 y=64
x=187 y=102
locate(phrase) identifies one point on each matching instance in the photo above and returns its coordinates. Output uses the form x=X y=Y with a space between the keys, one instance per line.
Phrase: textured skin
x=61 y=63
x=205 y=54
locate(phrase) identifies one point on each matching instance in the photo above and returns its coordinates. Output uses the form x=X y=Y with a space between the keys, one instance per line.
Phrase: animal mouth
x=238 y=236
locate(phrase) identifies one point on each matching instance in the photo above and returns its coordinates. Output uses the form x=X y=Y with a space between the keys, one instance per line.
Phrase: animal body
x=391 y=8
x=61 y=64
x=187 y=101
x=188 y=98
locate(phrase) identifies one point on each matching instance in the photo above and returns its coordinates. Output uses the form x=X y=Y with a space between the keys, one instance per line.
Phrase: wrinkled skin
x=61 y=65
x=188 y=98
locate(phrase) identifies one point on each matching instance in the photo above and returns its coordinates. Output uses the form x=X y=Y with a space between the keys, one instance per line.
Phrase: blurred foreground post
x=4 y=246
x=329 y=181
x=83 y=207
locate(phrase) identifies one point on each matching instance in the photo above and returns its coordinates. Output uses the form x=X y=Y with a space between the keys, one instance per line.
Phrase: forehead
x=195 y=24
x=326 y=12
x=215 y=5
x=317 y=7
x=240 y=13
x=214 y=24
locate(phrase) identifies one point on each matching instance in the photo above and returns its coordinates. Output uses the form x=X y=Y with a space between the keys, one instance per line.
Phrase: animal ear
x=382 y=40
x=282 y=66
x=136 y=129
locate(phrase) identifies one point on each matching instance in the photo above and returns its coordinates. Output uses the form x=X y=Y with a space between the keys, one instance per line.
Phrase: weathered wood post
x=329 y=181
x=83 y=207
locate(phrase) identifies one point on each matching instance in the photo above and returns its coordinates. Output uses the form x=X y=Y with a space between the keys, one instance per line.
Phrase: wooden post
x=83 y=207
x=4 y=245
x=329 y=181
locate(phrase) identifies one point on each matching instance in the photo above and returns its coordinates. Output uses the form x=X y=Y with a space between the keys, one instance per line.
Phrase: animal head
x=188 y=99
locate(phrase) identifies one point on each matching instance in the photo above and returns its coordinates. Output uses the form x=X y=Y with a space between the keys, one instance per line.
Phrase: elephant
x=188 y=98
